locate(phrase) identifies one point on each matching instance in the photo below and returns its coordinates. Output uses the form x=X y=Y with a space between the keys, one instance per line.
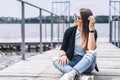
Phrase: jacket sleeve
x=95 y=35
x=96 y=67
x=65 y=42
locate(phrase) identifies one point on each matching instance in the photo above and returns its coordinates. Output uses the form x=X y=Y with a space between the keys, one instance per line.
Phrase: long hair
x=85 y=13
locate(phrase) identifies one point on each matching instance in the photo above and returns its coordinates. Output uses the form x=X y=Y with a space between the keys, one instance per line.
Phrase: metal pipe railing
x=51 y=31
x=66 y=9
x=119 y=28
x=23 y=30
x=58 y=31
x=110 y=34
x=40 y=19
x=36 y=6
x=40 y=22
x=114 y=20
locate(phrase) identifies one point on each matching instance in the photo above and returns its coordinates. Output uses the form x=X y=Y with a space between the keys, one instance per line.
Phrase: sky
x=12 y=8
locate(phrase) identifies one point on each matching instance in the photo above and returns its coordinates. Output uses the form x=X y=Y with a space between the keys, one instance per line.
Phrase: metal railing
x=114 y=20
x=40 y=22
x=57 y=8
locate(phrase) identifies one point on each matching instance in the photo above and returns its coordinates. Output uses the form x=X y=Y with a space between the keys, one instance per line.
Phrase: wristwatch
x=91 y=31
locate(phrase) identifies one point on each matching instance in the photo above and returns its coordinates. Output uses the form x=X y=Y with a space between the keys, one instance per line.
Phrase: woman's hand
x=91 y=23
x=63 y=60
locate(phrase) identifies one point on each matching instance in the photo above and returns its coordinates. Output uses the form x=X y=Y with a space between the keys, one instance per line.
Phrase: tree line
x=47 y=19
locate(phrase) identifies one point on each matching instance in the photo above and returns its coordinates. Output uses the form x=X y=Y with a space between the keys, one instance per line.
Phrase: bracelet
x=91 y=31
x=62 y=55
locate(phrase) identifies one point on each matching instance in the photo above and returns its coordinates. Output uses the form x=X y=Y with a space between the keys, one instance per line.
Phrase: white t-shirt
x=78 y=49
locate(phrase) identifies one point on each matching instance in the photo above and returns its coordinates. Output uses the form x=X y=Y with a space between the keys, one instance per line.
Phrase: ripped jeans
x=80 y=64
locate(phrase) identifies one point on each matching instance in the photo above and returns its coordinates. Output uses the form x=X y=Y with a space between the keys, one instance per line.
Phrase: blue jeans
x=80 y=64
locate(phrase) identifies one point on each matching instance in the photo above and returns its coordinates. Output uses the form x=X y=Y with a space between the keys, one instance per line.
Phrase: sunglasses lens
x=79 y=18
x=75 y=17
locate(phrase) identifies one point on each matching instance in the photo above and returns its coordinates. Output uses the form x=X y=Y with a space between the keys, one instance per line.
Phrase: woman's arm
x=91 y=38
x=63 y=60
x=91 y=41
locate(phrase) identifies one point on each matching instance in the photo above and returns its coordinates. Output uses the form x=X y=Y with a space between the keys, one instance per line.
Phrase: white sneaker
x=86 y=77
x=67 y=76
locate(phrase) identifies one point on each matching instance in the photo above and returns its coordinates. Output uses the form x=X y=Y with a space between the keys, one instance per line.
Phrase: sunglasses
x=76 y=17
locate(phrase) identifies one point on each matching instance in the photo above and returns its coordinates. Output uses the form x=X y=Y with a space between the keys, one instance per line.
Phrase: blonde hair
x=85 y=13
x=84 y=43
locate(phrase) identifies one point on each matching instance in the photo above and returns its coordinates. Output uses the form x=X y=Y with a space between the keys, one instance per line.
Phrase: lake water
x=13 y=31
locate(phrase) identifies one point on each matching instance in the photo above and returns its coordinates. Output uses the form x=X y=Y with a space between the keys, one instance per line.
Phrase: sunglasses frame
x=76 y=17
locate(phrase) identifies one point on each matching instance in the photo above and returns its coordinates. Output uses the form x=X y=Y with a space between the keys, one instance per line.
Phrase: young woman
x=77 y=54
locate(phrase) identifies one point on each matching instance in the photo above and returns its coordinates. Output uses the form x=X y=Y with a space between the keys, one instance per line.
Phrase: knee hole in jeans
x=93 y=52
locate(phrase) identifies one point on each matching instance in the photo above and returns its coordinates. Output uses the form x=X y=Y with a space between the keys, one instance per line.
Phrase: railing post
x=63 y=24
x=23 y=30
x=110 y=34
x=110 y=16
x=40 y=20
x=69 y=15
x=119 y=33
x=45 y=32
x=115 y=41
x=51 y=31
x=110 y=23
x=119 y=28
x=58 y=30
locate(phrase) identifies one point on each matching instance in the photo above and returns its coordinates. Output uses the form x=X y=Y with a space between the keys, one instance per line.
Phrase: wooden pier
x=40 y=67
x=30 y=43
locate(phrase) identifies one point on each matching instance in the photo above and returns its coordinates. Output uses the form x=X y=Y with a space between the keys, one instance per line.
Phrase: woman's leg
x=68 y=67
x=84 y=63
x=91 y=68
x=81 y=66
x=64 y=69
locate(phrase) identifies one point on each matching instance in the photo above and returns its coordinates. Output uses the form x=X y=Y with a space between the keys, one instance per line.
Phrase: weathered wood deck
x=108 y=61
x=40 y=67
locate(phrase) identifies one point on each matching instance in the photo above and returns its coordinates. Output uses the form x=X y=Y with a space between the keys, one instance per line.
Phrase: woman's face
x=78 y=20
